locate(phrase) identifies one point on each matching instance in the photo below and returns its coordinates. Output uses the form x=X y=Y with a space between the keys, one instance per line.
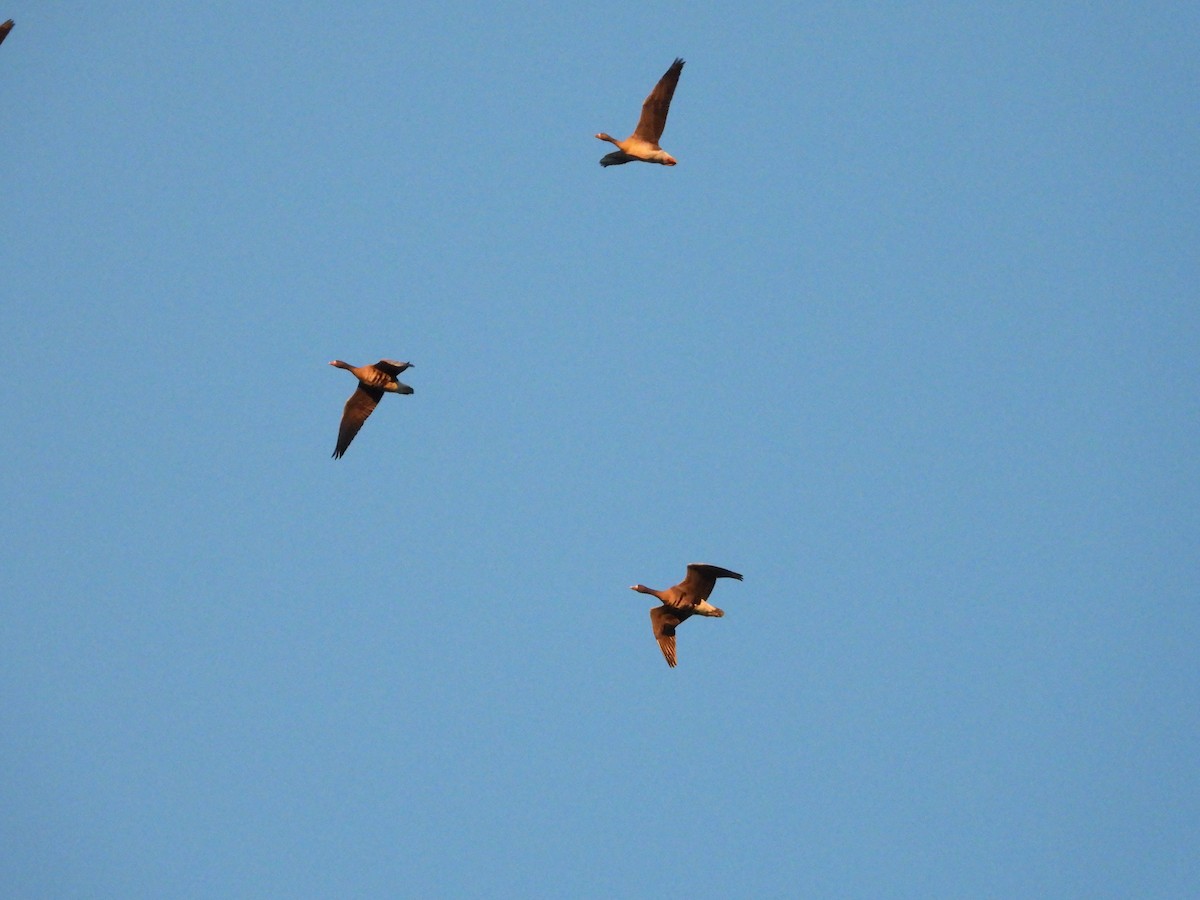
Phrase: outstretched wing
x=5 y=29
x=654 y=110
x=360 y=405
x=663 y=620
x=702 y=578
x=616 y=158
x=391 y=366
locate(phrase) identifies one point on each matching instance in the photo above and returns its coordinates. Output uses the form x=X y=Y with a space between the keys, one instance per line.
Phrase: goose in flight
x=373 y=381
x=643 y=143
x=688 y=598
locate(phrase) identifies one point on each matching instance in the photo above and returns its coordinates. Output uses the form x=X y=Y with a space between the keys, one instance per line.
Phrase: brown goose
x=373 y=381
x=686 y=599
x=5 y=29
x=642 y=145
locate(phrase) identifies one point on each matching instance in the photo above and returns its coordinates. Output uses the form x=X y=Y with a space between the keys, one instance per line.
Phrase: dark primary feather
x=656 y=106
x=5 y=29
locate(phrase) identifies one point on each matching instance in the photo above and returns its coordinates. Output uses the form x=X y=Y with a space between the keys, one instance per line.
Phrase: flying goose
x=686 y=599
x=5 y=29
x=373 y=381
x=643 y=143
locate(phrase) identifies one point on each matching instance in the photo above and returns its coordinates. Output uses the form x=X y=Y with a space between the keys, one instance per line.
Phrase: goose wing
x=663 y=620
x=360 y=405
x=5 y=29
x=391 y=366
x=701 y=579
x=616 y=158
x=654 y=110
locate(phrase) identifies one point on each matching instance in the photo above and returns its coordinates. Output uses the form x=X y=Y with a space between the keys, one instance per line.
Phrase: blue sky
x=909 y=337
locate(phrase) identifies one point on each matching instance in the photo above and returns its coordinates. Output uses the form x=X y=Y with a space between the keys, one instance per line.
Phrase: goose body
x=642 y=145
x=688 y=598
x=373 y=382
